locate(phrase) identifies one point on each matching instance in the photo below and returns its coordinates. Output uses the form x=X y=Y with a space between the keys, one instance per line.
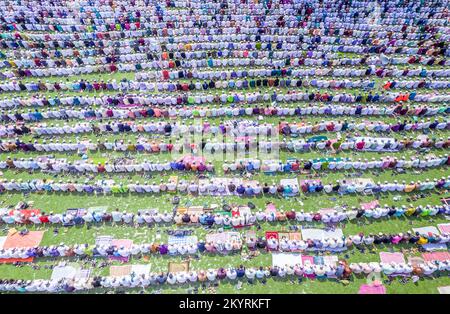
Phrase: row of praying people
x=236 y=129
x=221 y=189
x=225 y=246
x=275 y=166
x=282 y=85
x=341 y=270
x=187 y=65
x=350 y=187
x=238 y=98
x=189 y=39
x=374 y=144
x=154 y=217
x=85 y=166
x=143 y=111
x=82 y=166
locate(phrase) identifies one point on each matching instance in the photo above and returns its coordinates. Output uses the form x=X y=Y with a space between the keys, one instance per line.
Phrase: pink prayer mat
x=436 y=256
x=370 y=205
x=387 y=257
x=444 y=228
x=271 y=208
x=324 y=211
x=372 y=289
x=191 y=159
x=307 y=258
x=122 y=242
x=310 y=259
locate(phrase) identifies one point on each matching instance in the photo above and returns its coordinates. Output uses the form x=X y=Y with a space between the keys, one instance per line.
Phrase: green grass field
x=60 y=202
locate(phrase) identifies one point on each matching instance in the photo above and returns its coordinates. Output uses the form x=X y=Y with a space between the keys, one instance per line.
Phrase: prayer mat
x=286 y=259
x=319 y=234
x=329 y=159
x=241 y=211
x=182 y=210
x=372 y=289
x=444 y=290
x=371 y=205
x=83 y=274
x=122 y=242
x=16 y=260
x=426 y=230
x=295 y=236
x=387 y=257
x=325 y=211
x=63 y=272
x=436 y=256
x=77 y=212
x=283 y=235
x=244 y=210
x=119 y=271
x=307 y=259
x=271 y=208
x=119 y=258
x=361 y=181
x=318 y=260
x=182 y=240
x=31 y=239
x=435 y=247
x=250 y=234
x=198 y=210
x=266 y=165
x=415 y=260
x=191 y=159
x=141 y=269
x=444 y=228
x=103 y=240
x=271 y=235
x=223 y=236
x=330 y=260
x=175 y=267
x=97 y=209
